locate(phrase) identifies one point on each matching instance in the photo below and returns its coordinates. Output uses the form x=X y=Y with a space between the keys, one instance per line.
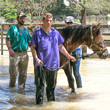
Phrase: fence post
x=1 y=39
x=83 y=23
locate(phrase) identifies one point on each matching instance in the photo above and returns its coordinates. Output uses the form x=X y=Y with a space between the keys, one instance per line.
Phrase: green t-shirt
x=19 y=39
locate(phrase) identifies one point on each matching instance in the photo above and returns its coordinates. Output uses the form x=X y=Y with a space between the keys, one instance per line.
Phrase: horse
x=75 y=36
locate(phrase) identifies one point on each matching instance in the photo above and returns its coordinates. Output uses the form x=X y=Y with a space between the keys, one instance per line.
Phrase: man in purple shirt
x=45 y=46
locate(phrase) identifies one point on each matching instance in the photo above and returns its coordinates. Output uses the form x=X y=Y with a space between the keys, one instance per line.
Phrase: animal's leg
x=69 y=77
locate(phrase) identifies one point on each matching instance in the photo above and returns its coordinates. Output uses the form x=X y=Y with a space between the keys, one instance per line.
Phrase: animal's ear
x=99 y=26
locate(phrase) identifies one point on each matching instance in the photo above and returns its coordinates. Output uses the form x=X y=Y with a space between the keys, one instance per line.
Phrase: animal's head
x=96 y=41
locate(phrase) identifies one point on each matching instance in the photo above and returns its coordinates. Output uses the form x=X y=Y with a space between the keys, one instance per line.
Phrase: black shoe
x=73 y=91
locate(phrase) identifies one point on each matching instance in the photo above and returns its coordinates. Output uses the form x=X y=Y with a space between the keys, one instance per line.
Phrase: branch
x=43 y=13
x=80 y=4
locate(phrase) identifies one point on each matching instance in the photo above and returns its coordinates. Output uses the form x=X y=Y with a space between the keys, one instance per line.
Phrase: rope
x=42 y=65
x=77 y=57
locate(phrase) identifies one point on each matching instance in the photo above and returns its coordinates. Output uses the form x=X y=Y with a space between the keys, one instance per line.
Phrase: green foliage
x=59 y=8
x=34 y=7
x=98 y=7
x=9 y=8
x=9 y=12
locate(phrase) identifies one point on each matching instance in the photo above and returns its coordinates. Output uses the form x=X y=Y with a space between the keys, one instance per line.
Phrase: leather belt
x=19 y=51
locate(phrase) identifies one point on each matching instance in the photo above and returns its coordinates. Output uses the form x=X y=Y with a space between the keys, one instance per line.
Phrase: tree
x=59 y=8
x=8 y=11
x=93 y=7
x=31 y=7
x=37 y=8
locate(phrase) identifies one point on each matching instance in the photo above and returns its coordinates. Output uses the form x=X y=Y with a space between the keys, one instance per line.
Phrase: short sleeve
x=9 y=33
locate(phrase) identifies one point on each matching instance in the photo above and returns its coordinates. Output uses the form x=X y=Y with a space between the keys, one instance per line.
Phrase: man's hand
x=11 y=52
x=38 y=61
x=64 y=51
x=72 y=58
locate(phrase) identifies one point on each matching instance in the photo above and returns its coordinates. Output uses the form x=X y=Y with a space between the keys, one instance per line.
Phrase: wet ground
x=95 y=94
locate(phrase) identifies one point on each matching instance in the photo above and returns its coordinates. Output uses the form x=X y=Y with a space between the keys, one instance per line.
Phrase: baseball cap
x=69 y=19
x=21 y=14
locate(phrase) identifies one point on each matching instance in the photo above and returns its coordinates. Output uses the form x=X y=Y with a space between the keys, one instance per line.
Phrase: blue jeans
x=75 y=66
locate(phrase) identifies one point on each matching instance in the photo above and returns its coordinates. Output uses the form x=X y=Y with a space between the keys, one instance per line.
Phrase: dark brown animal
x=82 y=35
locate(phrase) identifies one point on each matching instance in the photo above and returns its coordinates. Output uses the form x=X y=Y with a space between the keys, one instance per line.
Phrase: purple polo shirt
x=47 y=47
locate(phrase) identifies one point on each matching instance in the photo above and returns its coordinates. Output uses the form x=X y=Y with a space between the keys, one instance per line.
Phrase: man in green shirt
x=17 y=41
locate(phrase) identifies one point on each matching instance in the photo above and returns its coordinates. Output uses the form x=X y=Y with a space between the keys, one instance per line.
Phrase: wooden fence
x=5 y=26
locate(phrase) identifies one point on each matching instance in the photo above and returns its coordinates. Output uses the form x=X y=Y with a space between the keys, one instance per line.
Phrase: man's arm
x=64 y=51
x=34 y=53
x=11 y=52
